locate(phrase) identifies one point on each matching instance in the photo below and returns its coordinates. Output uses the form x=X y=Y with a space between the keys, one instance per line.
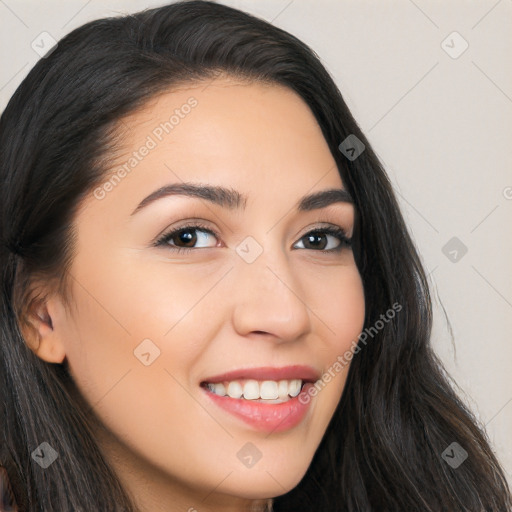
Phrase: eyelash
x=329 y=230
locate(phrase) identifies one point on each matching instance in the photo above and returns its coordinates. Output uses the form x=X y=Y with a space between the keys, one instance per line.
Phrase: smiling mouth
x=263 y=391
x=261 y=403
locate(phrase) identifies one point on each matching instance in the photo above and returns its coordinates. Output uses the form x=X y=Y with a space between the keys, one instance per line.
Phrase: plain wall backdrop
x=430 y=84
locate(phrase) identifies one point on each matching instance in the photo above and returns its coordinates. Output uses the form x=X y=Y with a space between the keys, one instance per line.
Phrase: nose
x=268 y=299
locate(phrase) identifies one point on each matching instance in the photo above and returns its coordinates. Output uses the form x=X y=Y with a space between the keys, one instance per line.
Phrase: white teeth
x=282 y=389
x=268 y=390
x=235 y=389
x=294 y=387
x=218 y=389
x=251 y=390
x=271 y=390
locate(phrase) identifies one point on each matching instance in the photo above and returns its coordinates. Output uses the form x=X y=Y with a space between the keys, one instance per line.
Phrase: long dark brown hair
x=398 y=413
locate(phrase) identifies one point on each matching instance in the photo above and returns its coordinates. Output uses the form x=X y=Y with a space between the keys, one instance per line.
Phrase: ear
x=42 y=331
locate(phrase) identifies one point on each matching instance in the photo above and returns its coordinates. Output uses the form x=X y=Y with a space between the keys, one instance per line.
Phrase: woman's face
x=255 y=293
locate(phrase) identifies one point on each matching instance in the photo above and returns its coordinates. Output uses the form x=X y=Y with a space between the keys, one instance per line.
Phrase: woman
x=282 y=364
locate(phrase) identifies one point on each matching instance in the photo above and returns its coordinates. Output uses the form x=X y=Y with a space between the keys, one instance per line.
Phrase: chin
x=264 y=483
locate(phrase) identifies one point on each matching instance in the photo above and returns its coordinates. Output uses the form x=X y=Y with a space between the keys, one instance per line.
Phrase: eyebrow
x=234 y=200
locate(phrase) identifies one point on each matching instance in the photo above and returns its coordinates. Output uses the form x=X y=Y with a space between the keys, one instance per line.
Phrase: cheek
x=147 y=407
x=340 y=308
x=339 y=304
x=136 y=334
x=119 y=324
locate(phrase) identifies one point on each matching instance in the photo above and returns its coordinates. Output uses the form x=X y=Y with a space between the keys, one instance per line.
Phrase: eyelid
x=321 y=224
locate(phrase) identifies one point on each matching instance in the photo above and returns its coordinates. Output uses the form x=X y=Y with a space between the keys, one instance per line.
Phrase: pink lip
x=266 y=417
x=305 y=373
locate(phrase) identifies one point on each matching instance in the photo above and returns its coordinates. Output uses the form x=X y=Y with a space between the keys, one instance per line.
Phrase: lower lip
x=266 y=417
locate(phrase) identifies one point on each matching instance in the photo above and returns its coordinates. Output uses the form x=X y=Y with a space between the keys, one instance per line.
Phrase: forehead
x=261 y=139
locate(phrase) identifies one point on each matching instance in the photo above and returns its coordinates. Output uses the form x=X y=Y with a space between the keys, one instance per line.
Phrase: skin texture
x=208 y=311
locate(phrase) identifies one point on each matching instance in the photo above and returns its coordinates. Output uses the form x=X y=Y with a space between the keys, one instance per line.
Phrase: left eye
x=317 y=239
x=328 y=239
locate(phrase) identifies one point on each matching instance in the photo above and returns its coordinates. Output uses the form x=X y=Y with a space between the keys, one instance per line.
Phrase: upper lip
x=303 y=372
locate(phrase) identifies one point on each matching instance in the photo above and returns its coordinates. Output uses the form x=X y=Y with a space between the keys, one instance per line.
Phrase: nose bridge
x=268 y=293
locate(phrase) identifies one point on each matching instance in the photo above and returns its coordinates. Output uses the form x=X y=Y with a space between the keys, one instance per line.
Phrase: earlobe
x=51 y=352
x=40 y=334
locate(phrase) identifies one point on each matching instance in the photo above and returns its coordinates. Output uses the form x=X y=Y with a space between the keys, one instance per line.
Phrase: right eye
x=186 y=235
